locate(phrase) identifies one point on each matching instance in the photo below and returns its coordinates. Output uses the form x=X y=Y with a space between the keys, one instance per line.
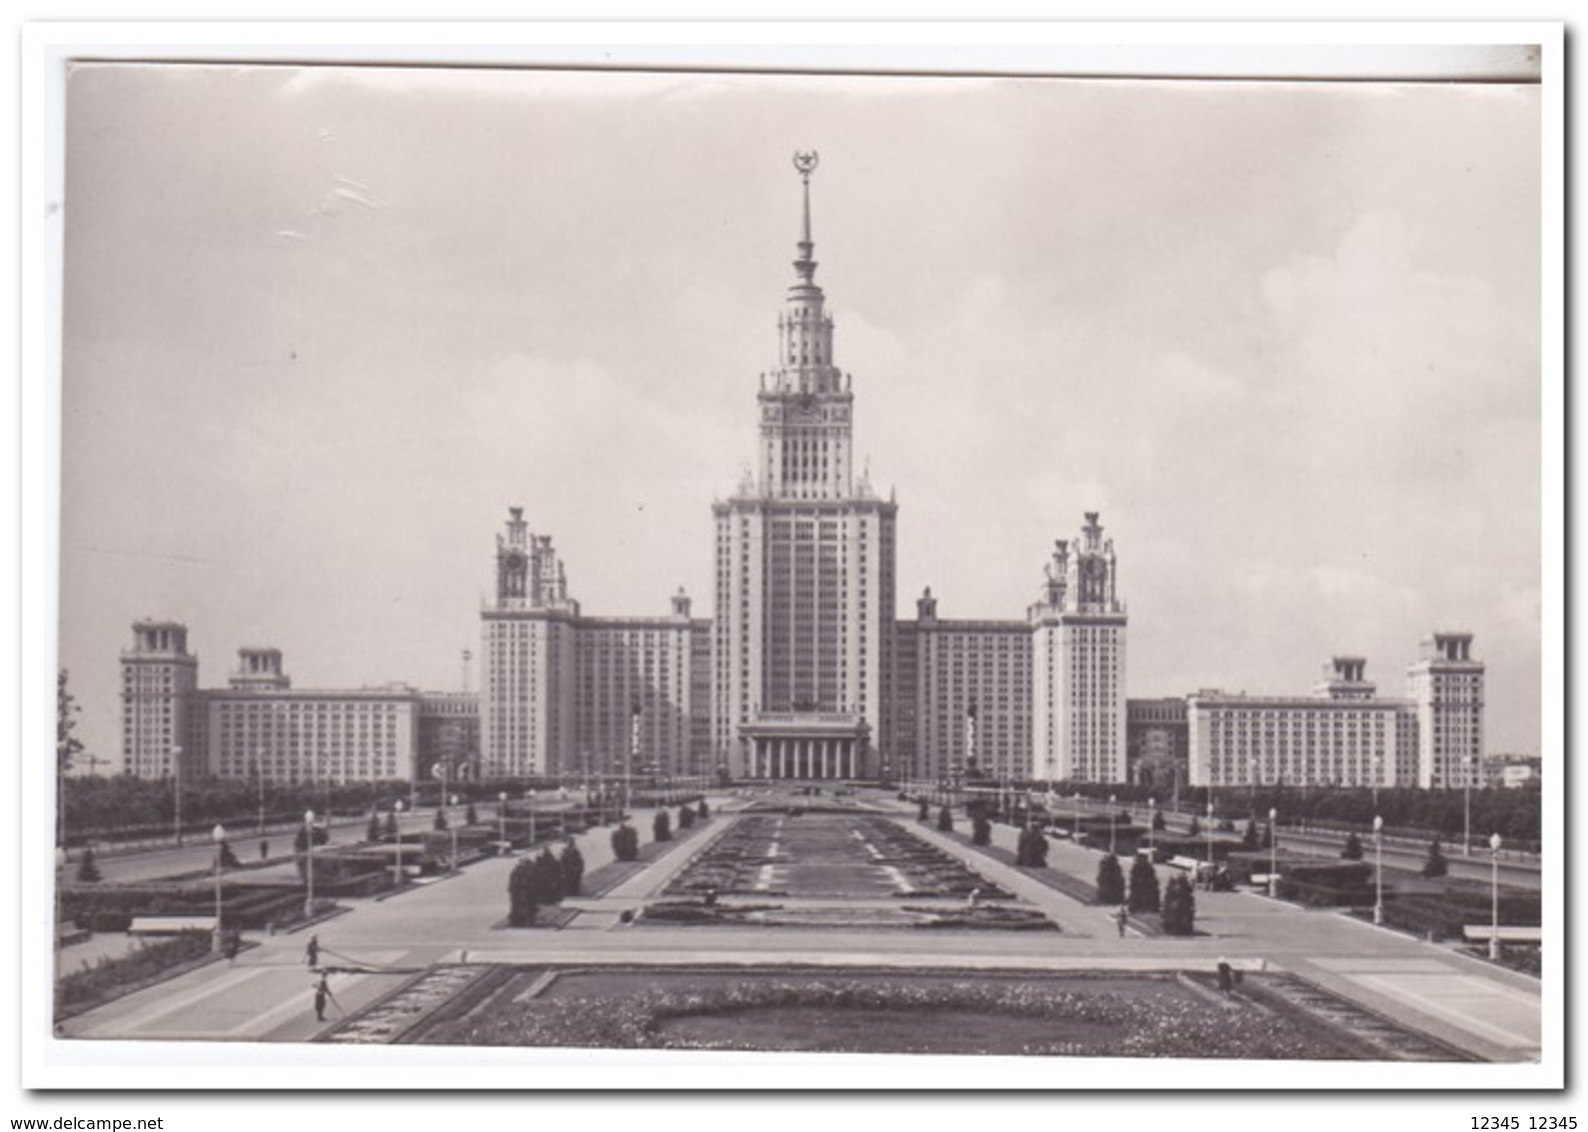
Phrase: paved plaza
x=266 y=995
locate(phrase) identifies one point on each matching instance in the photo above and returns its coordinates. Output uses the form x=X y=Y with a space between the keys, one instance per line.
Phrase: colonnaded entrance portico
x=812 y=747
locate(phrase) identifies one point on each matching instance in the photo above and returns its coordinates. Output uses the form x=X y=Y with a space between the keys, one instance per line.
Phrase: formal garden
x=1072 y=1015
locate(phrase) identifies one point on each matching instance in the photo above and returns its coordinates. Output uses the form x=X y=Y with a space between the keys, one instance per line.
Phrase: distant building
x=259 y=727
x=1447 y=686
x=161 y=726
x=1512 y=771
x=1343 y=734
x=1157 y=743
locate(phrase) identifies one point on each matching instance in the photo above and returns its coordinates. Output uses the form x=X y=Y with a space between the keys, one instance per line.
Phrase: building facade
x=1343 y=734
x=803 y=670
x=258 y=727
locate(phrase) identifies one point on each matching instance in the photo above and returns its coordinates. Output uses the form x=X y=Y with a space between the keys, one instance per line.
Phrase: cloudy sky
x=324 y=326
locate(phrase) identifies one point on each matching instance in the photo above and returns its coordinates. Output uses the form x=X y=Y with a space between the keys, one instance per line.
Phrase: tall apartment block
x=1078 y=664
x=1446 y=685
x=160 y=731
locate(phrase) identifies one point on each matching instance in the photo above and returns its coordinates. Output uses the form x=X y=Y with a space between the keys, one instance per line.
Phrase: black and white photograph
x=1026 y=576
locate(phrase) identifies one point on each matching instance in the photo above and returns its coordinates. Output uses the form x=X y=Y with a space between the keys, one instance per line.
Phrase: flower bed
x=1144 y=1016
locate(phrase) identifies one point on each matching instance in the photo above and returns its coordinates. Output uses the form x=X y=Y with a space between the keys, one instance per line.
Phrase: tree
x=1435 y=865
x=625 y=843
x=373 y=832
x=662 y=826
x=1268 y=835
x=981 y=830
x=228 y=859
x=1249 y=839
x=924 y=812
x=686 y=817
x=1179 y=906
x=1196 y=827
x=945 y=820
x=67 y=746
x=88 y=869
x=472 y=816
x=1353 y=848
x=572 y=864
x=1110 y=880
x=521 y=894
x=441 y=820
x=391 y=824
x=1031 y=851
x=702 y=811
x=1144 y=894
x=1158 y=822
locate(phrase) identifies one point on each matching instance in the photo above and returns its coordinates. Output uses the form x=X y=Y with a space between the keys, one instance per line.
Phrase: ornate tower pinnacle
x=806 y=266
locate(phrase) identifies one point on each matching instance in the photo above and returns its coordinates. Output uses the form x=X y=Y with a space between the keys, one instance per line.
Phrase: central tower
x=803 y=632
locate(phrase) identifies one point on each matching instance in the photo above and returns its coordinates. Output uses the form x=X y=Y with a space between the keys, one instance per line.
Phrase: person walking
x=322 y=991
x=1119 y=919
x=311 y=951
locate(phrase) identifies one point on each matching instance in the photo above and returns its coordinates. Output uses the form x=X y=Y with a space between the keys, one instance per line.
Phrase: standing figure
x=322 y=991
x=312 y=951
x=264 y=849
x=1119 y=919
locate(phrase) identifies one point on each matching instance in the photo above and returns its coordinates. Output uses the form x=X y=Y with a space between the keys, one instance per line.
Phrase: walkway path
x=1489 y=1011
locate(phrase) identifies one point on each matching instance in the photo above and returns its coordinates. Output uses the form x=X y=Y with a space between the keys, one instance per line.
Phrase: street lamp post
x=1494 y=899
x=531 y=821
x=1378 y=869
x=218 y=836
x=501 y=818
x=397 y=808
x=1210 y=841
x=308 y=870
x=176 y=785
x=454 y=827
x=1273 y=853
x=1466 y=810
x=1111 y=812
x=1152 y=827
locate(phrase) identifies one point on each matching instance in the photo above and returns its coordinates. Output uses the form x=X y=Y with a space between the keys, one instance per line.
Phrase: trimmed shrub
x=1353 y=848
x=1158 y=822
x=686 y=817
x=372 y=832
x=980 y=830
x=88 y=869
x=391 y=825
x=228 y=859
x=1196 y=827
x=1144 y=894
x=662 y=826
x=572 y=864
x=473 y=817
x=925 y=812
x=1110 y=880
x=626 y=843
x=441 y=819
x=1435 y=865
x=520 y=894
x=702 y=811
x=1250 y=836
x=1179 y=907
x=1031 y=851
x=945 y=820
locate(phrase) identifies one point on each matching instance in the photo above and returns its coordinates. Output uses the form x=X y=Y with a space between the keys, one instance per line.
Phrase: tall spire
x=806 y=266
